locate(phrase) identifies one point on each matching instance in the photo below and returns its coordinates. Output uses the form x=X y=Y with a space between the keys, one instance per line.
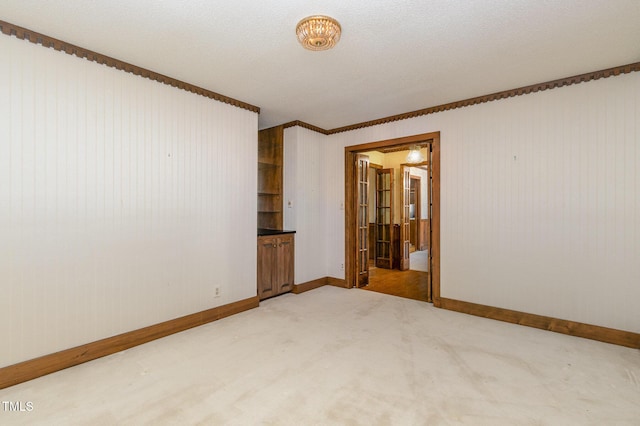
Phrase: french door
x=405 y=225
x=384 y=218
x=362 y=179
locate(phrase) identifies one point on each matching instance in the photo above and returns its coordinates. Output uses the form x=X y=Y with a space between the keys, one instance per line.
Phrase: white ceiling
x=393 y=57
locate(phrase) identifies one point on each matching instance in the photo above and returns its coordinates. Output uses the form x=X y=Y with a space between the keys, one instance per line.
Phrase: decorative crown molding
x=539 y=87
x=71 y=49
x=306 y=126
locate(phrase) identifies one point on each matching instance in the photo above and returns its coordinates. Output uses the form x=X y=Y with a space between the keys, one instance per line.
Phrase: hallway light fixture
x=318 y=32
x=414 y=156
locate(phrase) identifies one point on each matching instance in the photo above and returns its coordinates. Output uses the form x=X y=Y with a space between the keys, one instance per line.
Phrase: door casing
x=351 y=207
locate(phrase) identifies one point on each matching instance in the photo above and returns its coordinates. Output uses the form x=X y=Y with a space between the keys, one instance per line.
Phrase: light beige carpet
x=345 y=357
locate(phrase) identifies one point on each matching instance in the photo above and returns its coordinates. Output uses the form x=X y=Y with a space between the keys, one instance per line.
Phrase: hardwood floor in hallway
x=409 y=284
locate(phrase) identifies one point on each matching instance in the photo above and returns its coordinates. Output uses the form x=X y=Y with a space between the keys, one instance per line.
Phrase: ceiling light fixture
x=414 y=156
x=318 y=32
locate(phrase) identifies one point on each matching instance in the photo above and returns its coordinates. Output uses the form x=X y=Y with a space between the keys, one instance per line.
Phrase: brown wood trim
x=309 y=285
x=337 y=282
x=435 y=216
x=423 y=229
x=306 y=126
x=567 y=81
x=538 y=87
x=31 y=369
x=406 y=140
x=46 y=41
x=572 y=328
x=320 y=282
x=350 y=218
x=402 y=148
x=62 y=46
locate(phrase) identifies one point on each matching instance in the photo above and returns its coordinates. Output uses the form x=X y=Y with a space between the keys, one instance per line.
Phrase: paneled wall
x=540 y=200
x=123 y=202
x=304 y=197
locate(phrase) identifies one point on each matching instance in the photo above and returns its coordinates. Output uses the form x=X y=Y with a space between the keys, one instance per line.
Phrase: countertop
x=265 y=232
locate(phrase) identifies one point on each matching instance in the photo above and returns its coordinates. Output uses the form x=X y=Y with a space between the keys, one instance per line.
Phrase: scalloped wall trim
x=539 y=87
x=71 y=49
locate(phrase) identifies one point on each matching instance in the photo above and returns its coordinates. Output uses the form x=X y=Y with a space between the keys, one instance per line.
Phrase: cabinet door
x=267 y=267
x=285 y=264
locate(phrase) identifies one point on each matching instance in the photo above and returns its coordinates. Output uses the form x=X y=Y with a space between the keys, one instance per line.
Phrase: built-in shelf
x=275 y=247
x=270 y=157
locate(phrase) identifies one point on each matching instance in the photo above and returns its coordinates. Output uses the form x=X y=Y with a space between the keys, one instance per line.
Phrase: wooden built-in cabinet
x=270 y=153
x=275 y=246
x=275 y=264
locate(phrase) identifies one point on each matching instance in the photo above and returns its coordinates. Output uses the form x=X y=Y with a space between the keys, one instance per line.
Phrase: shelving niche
x=270 y=154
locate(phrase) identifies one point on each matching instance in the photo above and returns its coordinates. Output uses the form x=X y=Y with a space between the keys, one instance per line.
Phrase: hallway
x=411 y=284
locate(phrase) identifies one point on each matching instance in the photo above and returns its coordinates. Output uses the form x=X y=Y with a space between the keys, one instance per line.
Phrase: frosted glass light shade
x=414 y=156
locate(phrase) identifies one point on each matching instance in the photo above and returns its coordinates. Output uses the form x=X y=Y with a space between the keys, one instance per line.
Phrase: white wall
x=540 y=200
x=123 y=202
x=424 y=189
x=304 y=200
x=375 y=157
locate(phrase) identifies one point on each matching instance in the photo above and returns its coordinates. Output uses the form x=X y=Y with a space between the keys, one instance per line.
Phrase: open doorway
x=419 y=202
x=395 y=198
x=408 y=224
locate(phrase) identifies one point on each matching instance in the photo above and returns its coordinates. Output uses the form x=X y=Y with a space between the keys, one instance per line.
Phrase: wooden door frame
x=351 y=209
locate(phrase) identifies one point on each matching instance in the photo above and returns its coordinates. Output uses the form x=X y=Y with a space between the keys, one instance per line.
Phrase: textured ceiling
x=393 y=57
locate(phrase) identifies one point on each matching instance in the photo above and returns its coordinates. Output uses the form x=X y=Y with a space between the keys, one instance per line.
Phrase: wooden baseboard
x=572 y=328
x=337 y=282
x=31 y=369
x=309 y=285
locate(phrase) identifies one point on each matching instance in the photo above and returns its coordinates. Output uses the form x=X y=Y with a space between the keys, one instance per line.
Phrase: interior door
x=430 y=214
x=384 y=218
x=362 y=167
x=405 y=224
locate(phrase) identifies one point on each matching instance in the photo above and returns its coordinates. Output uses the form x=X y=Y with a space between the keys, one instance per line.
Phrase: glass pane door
x=384 y=218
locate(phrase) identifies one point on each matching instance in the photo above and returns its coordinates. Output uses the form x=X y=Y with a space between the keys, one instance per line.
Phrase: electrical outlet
x=342 y=266
x=216 y=292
